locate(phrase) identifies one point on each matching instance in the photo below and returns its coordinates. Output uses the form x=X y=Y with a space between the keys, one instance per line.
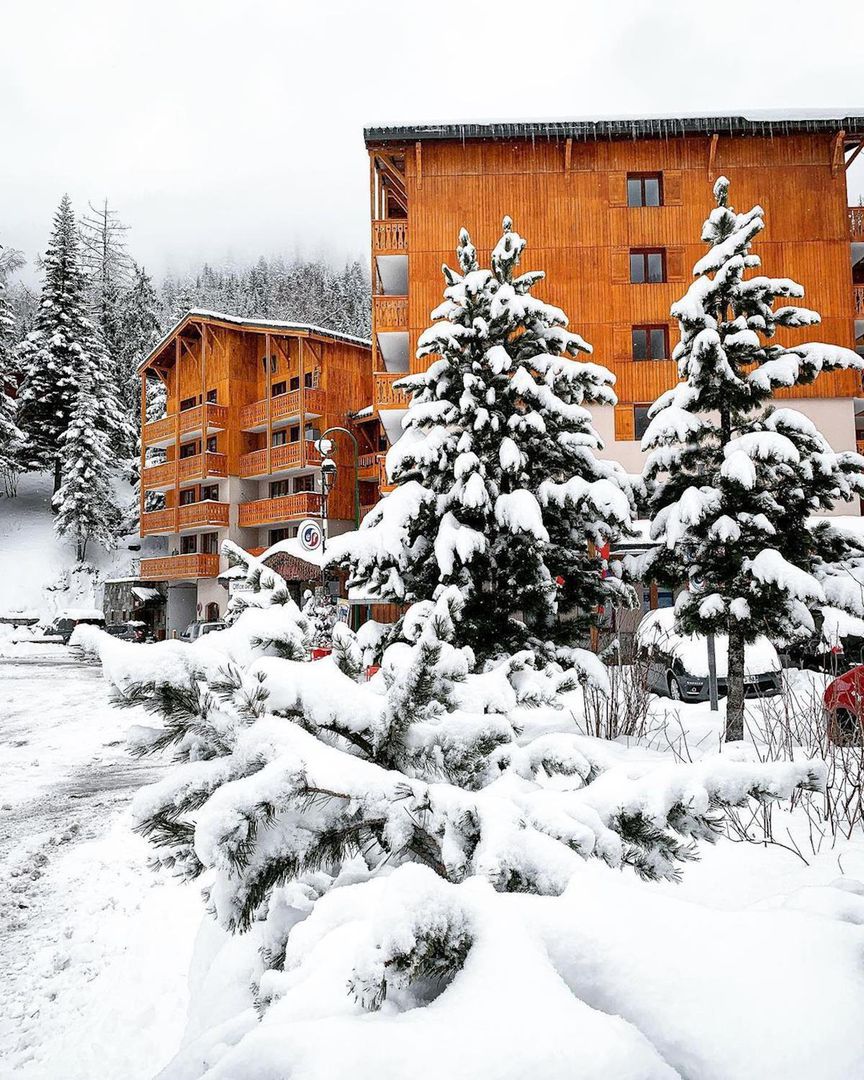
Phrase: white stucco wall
x=834 y=417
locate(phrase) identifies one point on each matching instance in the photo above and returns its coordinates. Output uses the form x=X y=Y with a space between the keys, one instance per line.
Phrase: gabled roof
x=778 y=122
x=244 y=323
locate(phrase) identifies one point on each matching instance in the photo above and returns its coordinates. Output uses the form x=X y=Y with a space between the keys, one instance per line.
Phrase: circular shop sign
x=310 y=535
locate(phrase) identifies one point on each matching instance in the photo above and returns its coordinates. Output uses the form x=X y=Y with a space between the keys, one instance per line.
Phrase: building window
x=189 y=545
x=278 y=389
x=189 y=449
x=288 y=533
x=645 y=189
x=188 y=496
x=211 y=444
x=294 y=433
x=209 y=493
x=272 y=362
x=188 y=403
x=304 y=483
x=211 y=397
x=295 y=382
x=650 y=342
x=647 y=266
x=210 y=543
x=641 y=420
x=308 y=380
x=279 y=438
x=278 y=488
x=313 y=434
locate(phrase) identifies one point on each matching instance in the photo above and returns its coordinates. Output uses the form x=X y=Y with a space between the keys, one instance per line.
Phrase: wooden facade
x=246 y=401
x=568 y=196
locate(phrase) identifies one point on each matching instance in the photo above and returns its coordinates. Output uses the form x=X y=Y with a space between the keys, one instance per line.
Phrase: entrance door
x=212 y=612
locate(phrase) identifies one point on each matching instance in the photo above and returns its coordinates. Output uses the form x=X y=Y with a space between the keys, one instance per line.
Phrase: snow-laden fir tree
x=734 y=484
x=320 y=609
x=11 y=436
x=63 y=348
x=86 y=503
x=500 y=490
x=296 y=784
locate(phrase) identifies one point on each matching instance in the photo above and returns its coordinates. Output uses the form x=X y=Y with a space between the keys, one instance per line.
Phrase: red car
x=844 y=704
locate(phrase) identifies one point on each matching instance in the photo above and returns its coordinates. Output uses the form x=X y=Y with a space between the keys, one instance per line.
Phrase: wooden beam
x=855 y=153
x=390 y=169
x=837 y=152
x=712 y=155
x=568 y=156
x=373 y=201
x=418 y=157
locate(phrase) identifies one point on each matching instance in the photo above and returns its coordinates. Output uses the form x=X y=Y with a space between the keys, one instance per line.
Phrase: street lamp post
x=328 y=477
x=356 y=447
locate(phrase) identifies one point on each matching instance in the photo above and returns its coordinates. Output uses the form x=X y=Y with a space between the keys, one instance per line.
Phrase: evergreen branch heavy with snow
x=500 y=489
x=734 y=484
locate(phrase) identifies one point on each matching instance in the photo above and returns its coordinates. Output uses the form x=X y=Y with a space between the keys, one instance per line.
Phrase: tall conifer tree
x=733 y=485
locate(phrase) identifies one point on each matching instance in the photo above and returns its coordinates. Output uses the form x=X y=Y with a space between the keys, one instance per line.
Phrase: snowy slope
x=37 y=567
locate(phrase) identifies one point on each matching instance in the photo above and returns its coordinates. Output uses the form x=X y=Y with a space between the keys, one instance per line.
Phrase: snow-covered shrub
x=734 y=486
x=297 y=787
x=500 y=489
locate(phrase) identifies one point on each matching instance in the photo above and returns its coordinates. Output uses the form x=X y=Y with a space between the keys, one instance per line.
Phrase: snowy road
x=95 y=947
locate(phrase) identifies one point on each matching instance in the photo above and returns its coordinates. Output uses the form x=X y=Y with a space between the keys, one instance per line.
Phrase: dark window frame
x=646 y=420
x=279 y=437
x=204 y=493
x=189 y=542
x=648 y=329
x=184 y=496
x=645 y=253
x=209 y=543
x=279 y=489
x=278 y=389
x=303 y=483
x=188 y=449
x=640 y=178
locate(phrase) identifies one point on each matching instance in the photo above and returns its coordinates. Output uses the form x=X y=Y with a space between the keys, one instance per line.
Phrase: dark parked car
x=678 y=664
x=130 y=631
x=66 y=622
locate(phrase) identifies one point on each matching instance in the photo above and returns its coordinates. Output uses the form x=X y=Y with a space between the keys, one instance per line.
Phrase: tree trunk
x=735 y=687
x=57 y=475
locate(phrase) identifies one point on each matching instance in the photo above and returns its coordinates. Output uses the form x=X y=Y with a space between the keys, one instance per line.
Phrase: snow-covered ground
x=95 y=946
x=37 y=567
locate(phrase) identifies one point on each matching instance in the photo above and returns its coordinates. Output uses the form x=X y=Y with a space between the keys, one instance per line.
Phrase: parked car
x=678 y=663
x=128 y=631
x=197 y=629
x=844 y=705
x=66 y=621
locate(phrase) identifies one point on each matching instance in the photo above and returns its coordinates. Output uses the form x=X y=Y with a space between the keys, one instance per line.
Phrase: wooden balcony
x=193 y=515
x=179 y=568
x=197 y=467
x=859 y=446
x=390 y=314
x=371 y=466
x=190 y=516
x=202 y=420
x=282 y=459
x=283 y=409
x=858 y=296
x=856 y=224
x=390 y=237
x=285 y=508
x=385 y=395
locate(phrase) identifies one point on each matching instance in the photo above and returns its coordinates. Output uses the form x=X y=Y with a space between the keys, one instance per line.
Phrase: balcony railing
x=390 y=237
x=202 y=513
x=390 y=312
x=856 y=223
x=386 y=396
x=282 y=408
x=283 y=508
x=859 y=446
x=156 y=522
x=196 y=467
x=190 y=516
x=281 y=458
x=179 y=567
x=858 y=292
x=202 y=418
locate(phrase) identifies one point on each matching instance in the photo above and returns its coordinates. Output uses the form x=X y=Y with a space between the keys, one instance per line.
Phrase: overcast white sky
x=223 y=128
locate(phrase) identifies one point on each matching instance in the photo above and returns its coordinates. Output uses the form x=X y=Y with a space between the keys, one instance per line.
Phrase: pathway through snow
x=95 y=946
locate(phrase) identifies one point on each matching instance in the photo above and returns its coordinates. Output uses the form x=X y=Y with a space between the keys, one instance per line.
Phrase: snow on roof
x=294 y=548
x=145 y=594
x=80 y=613
x=754 y=122
x=252 y=323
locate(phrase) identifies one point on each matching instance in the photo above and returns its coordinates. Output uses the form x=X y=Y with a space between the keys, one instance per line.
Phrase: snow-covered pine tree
x=294 y=781
x=85 y=503
x=500 y=490
x=734 y=485
x=11 y=436
x=320 y=609
x=63 y=347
